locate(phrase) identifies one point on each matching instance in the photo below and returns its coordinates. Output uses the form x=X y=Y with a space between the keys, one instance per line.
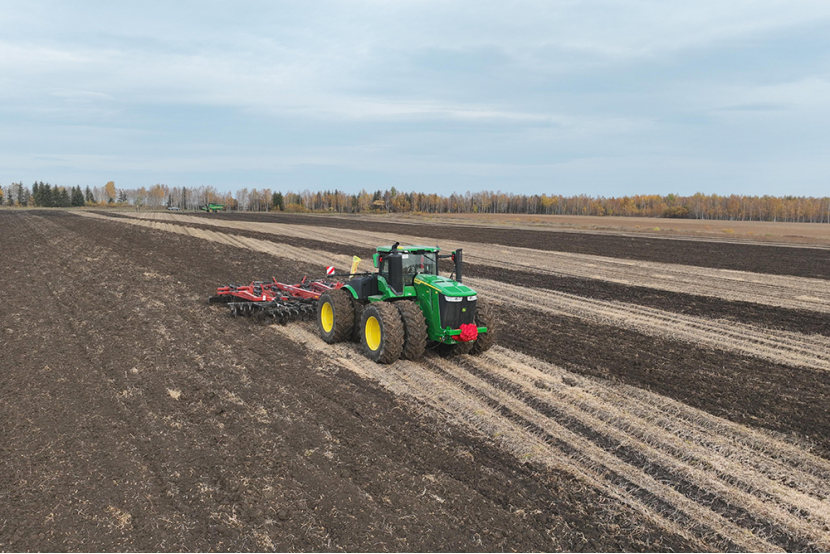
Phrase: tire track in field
x=718 y=484
x=281 y=250
x=774 y=290
x=794 y=349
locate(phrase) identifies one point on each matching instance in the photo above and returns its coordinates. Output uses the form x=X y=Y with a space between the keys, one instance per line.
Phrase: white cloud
x=503 y=82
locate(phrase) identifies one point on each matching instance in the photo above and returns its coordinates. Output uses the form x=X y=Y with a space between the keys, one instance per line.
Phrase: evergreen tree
x=89 y=197
x=277 y=201
x=63 y=198
x=47 y=195
x=122 y=197
x=77 y=196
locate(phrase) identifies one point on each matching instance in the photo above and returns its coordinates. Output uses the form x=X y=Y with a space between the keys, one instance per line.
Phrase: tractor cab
x=398 y=265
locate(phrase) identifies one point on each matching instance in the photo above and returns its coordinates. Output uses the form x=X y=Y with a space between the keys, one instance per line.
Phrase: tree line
x=159 y=196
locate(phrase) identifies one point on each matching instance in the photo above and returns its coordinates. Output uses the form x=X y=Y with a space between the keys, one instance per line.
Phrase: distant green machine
x=211 y=208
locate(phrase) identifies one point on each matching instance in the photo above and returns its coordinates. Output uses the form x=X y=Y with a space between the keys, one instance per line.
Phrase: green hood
x=444 y=285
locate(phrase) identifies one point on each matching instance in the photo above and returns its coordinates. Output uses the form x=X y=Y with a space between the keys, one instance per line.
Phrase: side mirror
x=375 y=257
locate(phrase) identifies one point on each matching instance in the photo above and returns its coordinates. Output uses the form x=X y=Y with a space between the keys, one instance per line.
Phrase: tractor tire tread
x=414 y=330
x=485 y=317
x=341 y=303
x=357 y=331
x=392 y=334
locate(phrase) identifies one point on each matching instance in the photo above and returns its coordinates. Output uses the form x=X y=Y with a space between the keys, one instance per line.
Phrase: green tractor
x=212 y=208
x=407 y=307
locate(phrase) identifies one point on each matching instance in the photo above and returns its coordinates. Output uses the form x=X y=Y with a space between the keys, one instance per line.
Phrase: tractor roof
x=384 y=249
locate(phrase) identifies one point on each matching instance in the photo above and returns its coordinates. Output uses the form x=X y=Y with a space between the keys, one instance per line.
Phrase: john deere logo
x=463 y=309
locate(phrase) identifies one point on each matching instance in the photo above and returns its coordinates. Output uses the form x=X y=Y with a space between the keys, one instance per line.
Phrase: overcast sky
x=561 y=97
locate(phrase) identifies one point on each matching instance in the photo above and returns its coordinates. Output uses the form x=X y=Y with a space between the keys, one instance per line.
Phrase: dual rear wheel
x=383 y=332
x=392 y=330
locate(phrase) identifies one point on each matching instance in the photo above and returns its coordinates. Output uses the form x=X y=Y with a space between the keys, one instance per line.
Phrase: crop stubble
x=531 y=408
x=797 y=349
x=724 y=479
x=164 y=425
x=774 y=290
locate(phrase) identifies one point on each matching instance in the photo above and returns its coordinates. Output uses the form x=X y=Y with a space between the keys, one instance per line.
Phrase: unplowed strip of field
x=773 y=317
x=793 y=349
x=775 y=290
x=759 y=258
x=136 y=417
x=719 y=484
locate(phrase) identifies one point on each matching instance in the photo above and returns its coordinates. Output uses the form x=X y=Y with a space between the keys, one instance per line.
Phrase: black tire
x=381 y=332
x=335 y=316
x=484 y=318
x=414 y=330
x=359 y=306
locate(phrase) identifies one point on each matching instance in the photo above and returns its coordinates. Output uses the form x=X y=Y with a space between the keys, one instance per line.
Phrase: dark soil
x=801 y=321
x=775 y=533
x=133 y=416
x=802 y=262
x=742 y=389
x=772 y=317
x=745 y=390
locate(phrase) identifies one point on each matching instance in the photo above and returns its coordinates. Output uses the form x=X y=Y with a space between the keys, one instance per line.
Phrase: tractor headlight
x=472 y=298
x=454 y=298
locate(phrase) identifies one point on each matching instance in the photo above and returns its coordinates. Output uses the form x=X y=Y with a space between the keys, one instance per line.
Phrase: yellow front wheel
x=382 y=332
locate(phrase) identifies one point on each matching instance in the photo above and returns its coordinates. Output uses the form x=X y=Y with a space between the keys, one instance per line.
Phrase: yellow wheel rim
x=327 y=317
x=372 y=333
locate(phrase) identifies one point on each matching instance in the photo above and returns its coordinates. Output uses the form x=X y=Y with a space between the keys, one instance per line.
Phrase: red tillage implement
x=273 y=299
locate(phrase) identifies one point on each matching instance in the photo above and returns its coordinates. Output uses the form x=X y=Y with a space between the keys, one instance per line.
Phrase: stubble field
x=646 y=394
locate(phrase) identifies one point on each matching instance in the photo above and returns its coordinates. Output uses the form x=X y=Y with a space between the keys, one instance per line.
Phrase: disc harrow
x=269 y=301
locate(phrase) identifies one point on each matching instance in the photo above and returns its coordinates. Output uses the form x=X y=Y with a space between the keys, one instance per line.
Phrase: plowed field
x=672 y=396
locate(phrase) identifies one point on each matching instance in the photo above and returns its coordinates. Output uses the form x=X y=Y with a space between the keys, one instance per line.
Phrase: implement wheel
x=414 y=330
x=382 y=334
x=335 y=316
x=484 y=318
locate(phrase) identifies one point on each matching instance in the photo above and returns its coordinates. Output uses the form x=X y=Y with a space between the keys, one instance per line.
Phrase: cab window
x=418 y=263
